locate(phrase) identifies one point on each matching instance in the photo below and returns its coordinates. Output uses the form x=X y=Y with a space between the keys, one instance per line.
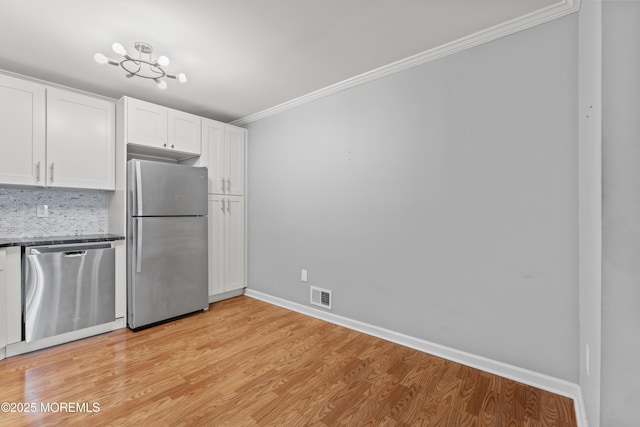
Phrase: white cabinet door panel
x=184 y=132
x=146 y=123
x=216 y=245
x=235 y=244
x=225 y=148
x=213 y=138
x=13 y=295
x=3 y=298
x=22 y=132
x=80 y=141
x=226 y=244
x=235 y=160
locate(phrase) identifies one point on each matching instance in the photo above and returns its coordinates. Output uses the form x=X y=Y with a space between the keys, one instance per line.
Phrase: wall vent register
x=320 y=297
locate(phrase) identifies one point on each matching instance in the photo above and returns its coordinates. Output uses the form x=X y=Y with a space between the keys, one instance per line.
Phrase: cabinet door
x=234 y=243
x=3 y=299
x=22 y=132
x=80 y=141
x=213 y=134
x=216 y=245
x=146 y=123
x=234 y=158
x=184 y=132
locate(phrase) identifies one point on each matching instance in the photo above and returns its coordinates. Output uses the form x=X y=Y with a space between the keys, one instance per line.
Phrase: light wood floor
x=246 y=362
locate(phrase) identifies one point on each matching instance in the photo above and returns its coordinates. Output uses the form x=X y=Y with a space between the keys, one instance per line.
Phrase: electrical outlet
x=303 y=275
x=42 y=211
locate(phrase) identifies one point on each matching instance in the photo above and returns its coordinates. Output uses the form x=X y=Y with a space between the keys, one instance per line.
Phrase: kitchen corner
x=73 y=216
x=63 y=180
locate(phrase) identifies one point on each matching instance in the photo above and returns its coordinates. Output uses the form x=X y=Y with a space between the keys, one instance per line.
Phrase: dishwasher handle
x=72 y=254
x=66 y=249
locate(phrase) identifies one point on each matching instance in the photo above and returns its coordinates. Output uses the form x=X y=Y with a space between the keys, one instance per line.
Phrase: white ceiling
x=241 y=56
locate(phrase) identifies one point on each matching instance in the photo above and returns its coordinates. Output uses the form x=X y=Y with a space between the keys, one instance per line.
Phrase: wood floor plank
x=245 y=363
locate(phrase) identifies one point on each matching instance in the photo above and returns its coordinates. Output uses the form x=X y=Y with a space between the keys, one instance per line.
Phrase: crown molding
x=529 y=20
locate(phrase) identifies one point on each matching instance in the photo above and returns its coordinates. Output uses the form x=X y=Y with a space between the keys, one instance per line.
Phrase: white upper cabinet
x=63 y=139
x=184 y=132
x=235 y=159
x=80 y=141
x=156 y=130
x=224 y=146
x=22 y=132
x=146 y=123
x=213 y=151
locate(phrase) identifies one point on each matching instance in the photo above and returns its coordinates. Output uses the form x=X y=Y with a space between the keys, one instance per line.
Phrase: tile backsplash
x=71 y=212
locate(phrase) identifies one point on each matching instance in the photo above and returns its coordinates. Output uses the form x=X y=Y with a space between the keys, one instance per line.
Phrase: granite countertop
x=57 y=240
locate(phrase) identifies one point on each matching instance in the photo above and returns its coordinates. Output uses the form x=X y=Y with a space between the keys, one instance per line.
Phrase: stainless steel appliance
x=67 y=287
x=167 y=241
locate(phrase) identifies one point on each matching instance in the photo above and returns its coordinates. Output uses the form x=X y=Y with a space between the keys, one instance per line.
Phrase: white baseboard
x=22 y=347
x=581 y=410
x=226 y=295
x=525 y=376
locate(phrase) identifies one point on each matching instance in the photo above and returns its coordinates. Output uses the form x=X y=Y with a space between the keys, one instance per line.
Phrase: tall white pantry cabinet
x=223 y=152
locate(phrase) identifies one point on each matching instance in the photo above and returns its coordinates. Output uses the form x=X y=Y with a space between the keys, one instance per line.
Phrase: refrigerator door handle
x=138 y=246
x=138 y=188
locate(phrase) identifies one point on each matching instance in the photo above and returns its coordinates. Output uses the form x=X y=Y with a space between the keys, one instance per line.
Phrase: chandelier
x=144 y=66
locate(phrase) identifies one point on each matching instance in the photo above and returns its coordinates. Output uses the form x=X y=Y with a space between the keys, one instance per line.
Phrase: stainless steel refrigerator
x=167 y=273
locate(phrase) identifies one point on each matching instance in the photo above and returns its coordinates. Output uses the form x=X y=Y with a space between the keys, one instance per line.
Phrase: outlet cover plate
x=42 y=211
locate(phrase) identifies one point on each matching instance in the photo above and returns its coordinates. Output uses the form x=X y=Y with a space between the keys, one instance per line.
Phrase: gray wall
x=621 y=215
x=440 y=202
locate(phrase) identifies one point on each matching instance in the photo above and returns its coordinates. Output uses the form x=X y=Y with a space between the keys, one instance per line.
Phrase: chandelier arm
x=132 y=72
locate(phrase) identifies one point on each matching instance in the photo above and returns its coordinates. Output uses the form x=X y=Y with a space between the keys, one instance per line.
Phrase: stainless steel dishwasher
x=67 y=287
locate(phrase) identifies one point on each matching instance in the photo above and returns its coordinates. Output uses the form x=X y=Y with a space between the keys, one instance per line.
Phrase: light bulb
x=163 y=61
x=101 y=59
x=182 y=77
x=161 y=84
x=119 y=49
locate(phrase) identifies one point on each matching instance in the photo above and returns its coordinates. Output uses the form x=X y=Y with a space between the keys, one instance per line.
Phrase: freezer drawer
x=168 y=274
x=66 y=288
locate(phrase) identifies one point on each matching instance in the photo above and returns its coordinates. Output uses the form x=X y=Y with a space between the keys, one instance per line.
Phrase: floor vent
x=321 y=297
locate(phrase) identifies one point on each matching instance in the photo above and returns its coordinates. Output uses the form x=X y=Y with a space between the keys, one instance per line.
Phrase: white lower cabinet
x=11 y=295
x=3 y=300
x=227 y=252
